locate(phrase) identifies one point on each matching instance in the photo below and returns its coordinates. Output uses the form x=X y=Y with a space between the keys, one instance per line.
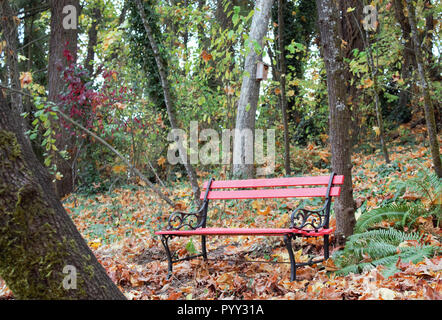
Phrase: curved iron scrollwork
x=313 y=220
x=191 y=220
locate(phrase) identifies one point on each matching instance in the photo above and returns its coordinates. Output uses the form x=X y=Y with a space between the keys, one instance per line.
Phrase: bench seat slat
x=275 y=182
x=243 y=231
x=273 y=193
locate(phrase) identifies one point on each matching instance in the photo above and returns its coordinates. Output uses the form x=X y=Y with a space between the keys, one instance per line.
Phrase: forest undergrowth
x=119 y=226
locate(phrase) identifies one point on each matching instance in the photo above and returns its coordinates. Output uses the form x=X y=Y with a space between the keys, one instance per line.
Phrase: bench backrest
x=295 y=187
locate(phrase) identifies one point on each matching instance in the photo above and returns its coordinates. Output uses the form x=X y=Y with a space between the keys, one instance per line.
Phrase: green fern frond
x=378 y=250
x=391 y=212
x=407 y=254
x=390 y=235
x=427 y=183
x=382 y=247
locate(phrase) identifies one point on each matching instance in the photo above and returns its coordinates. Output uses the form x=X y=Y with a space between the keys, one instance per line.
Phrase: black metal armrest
x=305 y=219
x=191 y=220
x=316 y=219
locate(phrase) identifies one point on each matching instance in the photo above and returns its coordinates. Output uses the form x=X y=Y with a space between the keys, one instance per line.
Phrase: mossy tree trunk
x=42 y=254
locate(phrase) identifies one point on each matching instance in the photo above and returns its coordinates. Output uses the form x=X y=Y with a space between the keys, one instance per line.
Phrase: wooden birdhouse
x=262 y=70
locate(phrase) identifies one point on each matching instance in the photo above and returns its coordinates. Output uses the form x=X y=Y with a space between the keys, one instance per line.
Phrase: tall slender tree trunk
x=374 y=74
x=243 y=150
x=42 y=254
x=407 y=53
x=9 y=25
x=425 y=87
x=61 y=39
x=340 y=115
x=169 y=103
x=282 y=81
x=93 y=38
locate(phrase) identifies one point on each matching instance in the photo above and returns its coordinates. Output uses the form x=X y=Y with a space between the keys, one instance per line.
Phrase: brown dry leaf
x=179 y=205
x=119 y=168
x=25 y=79
x=329 y=265
x=265 y=211
x=368 y=83
x=225 y=281
x=161 y=161
x=174 y=295
x=206 y=56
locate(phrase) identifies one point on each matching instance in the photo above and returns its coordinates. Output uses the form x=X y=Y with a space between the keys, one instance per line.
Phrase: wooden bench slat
x=273 y=193
x=275 y=182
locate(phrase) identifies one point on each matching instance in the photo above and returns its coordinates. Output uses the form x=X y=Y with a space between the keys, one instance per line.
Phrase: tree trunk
x=61 y=39
x=340 y=115
x=282 y=77
x=352 y=39
x=243 y=164
x=169 y=103
x=42 y=254
x=425 y=87
x=9 y=26
x=374 y=74
x=407 y=53
x=93 y=38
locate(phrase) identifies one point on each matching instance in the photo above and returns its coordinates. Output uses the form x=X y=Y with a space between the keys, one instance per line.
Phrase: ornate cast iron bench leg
x=326 y=252
x=165 y=242
x=203 y=247
x=288 y=243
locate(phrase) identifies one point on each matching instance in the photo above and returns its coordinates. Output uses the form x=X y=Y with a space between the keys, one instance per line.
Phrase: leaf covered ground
x=119 y=227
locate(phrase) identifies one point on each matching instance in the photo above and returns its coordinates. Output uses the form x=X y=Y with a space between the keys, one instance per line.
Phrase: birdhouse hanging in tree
x=262 y=70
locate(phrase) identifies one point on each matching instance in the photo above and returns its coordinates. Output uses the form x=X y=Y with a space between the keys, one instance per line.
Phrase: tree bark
x=93 y=38
x=61 y=39
x=243 y=164
x=352 y=39
x=425 y=87
x=340 y=115
x=169 y=103
x=9 y=26
x=407 y=52
x=282 y=77
x=42 y=254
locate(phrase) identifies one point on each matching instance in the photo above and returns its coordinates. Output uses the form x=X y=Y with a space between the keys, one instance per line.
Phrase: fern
x=379 y=247
x=389 y=261
x=388 y=213
x=427 y=183
x=369 y=247
x=390 y=235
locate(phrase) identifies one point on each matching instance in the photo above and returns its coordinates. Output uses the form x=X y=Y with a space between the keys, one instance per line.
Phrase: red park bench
x=303 y=222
